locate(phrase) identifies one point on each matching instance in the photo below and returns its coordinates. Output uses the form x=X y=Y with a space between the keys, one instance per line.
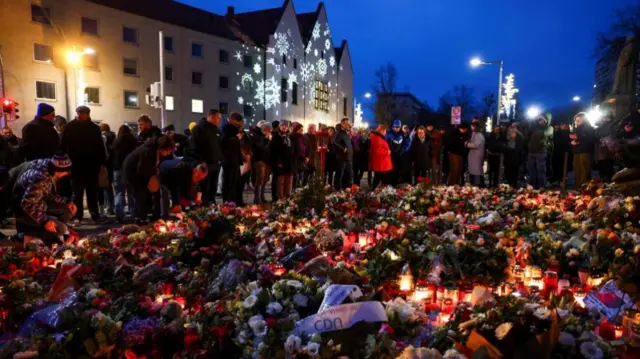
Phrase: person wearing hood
x=380 y=156
x=40 y=139
x=539 y=144
x=260 y=139
x=495 y=148
x=604 y=156
x=124 y=144
x=561 y=146
x=399 y=143
x=140 y=170
x=282 y=160
x=583 y=141
x=206 y=143
x=82 y=140
x=475 y=157
x=231 y=145
x=344 y=156
x=513 y=155
x=455 y=144
x=420 y=155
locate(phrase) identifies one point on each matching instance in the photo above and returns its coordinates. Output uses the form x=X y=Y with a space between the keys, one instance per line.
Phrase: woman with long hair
x=475 y=157
x=380 y=156
x=282 y=160
x=123 y=145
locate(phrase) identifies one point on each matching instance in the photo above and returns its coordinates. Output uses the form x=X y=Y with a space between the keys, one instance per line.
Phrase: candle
x=536 y=282
x=362 y=240
x=406 y=279
x=162 y=229
x=563 y=285
x=579 y=297
x=444 y=318
x=518 y=273
x=421 y=293
x=279 y=270
x=619 y=330
x=595 y=280
x=240 y=228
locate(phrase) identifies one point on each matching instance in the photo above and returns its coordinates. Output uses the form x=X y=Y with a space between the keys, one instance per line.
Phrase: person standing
x=275 y=129
x=146 y=129
x=420 y=155
x=540 y=141
x=495 y=148
x=312 y=148
x=330 y=161
x=181 y=141
x=302 y=155
x=232 y=157
x=561 y=146
x=40 y=139
x=435 y=142
x=206 y=143
x=583 y=141
x=124 y=144
x=344 y=156
x=261 y=137
x=455 y=145
x=475 y=157
x=105 y=195
x=59 y=123
x=399 y=146
x=82 y=140
x=282 y=160
x=380 y=156
x=512 y=155
x=604 y=156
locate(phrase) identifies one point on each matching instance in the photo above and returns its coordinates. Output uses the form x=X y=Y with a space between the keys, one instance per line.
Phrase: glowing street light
x=74 y=56
x=533 y=112
x=367 y=95
x=594 y=115
x=576 y=98
x=475 y=62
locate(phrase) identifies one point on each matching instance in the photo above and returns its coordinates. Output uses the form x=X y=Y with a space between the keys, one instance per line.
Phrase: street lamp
x=576 y=98
x=533 y=112
x=475 y=62
x=74 y=58
x=367 y=95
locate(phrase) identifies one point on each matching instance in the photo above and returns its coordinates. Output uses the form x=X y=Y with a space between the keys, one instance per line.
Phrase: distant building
x=269 y=64
x=403 y=106
x=604 y=77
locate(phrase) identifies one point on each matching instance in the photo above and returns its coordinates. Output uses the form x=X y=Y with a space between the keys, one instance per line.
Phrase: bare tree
x=386 y=78
x=626 y=23
x=460 y=95
x=488 y=103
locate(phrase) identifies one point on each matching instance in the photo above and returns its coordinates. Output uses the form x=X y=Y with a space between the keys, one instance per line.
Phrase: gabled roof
x=307 y=21
x=344 y=48
x=260 y=25
x=175 y=13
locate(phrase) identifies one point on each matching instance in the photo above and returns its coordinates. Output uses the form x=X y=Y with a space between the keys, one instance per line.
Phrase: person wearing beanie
x=539 y=145
x=40 y=212
x=206 y=143
x=400 y=145
x=82 y=140
x=260 y=139
x=40 y=139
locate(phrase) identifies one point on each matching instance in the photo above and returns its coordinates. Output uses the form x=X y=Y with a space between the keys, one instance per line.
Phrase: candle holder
x=421 y=294
x=579 y=297
x=405 y=281
x=594 y=280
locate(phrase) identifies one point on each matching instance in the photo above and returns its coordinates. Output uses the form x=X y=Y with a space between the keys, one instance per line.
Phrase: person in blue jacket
x=399 y=145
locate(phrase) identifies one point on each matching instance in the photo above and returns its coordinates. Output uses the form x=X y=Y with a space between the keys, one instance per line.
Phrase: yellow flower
x=619 y=252
x=502 y=330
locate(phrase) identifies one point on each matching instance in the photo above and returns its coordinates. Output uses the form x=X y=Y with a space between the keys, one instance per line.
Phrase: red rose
x=271 y=322
x=219 y=331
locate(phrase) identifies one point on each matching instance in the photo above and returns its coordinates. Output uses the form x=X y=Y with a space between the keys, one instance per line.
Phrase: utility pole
x=161 y=102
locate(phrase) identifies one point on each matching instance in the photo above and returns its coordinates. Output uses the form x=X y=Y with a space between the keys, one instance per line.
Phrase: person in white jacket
x=475 y=157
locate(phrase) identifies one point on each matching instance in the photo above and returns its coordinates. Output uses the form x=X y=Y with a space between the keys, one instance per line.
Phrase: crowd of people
x=149 y=173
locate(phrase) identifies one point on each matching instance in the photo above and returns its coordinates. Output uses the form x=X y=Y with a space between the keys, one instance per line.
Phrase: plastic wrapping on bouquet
x=49 y=318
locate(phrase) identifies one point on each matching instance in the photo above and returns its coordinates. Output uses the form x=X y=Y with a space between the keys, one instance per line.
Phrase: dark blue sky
x=547 y=44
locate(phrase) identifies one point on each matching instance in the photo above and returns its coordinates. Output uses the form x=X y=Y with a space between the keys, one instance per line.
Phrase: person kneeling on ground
x=40 y=212
x=180 y=178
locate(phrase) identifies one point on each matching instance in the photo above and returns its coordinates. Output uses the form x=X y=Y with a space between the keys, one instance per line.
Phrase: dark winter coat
x=39 y=187
x=420 y=156
x=260 y=146
x=455 y=142
x=122 y=147
x=82 y=141
x=282 y=154
x=206 y=142
x=152 y=132
x=586 y=139
x=300 y=149
x=182 y=143
x=561 y=142
x=399 y=144
x=435 y=139
x=605 y=129
x=109 y=137
x=231 y=146
x=379 y=154
x=540 y=138
x=495 y=144
x=141 y=164
x=40 y=139
x=342 y=142
x=177 y=176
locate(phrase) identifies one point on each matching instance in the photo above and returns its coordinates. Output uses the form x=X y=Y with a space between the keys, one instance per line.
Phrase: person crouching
x=180 y=178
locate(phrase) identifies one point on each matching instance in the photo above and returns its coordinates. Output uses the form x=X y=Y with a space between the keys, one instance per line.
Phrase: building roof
x=174 y=13
x=400 y=94
x=307 y=21
x=260 y=25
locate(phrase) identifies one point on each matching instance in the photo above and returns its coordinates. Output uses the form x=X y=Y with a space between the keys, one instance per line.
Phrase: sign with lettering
x=341 y=317
x=456 y=115
x=336 y=294
x=609 y=300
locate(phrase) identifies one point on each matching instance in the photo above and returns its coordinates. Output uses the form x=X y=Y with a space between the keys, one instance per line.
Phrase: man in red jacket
x=380 y=156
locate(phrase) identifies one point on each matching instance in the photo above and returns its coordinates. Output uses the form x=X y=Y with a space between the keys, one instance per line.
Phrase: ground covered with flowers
x=411 y=272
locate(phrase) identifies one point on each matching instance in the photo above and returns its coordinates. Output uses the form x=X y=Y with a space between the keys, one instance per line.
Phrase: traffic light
x=7 y=106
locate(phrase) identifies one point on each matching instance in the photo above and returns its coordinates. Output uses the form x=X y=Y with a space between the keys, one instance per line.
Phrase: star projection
x=316 y=31
x=268 y=92
x=322 y=67
x=306 y=71
x=282 y=43
x=332 y=61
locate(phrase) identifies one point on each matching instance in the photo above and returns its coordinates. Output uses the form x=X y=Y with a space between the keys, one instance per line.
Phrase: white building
x=269 y=64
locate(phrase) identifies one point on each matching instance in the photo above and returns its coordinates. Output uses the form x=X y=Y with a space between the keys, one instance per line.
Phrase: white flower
x=573 y=252
x=480 y=241
x=250 y=301
x=588 y=336
x=292 y=344
x=294 y=283
x=453 y=354
x=313 y=349
x=301 y=300
x=619 y=252
x=590 y=351
x=243 y=337
x=258 y=325
x=532 y=306
x=274 y=308
x=542 y=313
x=262 y=347
x=566 y=339
x=502 y=330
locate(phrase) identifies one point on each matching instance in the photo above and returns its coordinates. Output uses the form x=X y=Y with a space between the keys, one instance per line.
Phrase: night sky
x=547 y=44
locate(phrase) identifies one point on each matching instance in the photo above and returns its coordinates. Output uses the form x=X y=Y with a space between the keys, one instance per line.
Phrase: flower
x=313 y=349
x=480 y=241
x=292 y=344
x=590 y=351
x=250 y=301
x=300 y=299
x=294 y=283
x=636 y=249
x=619 y=252
x=567 y=339
x=258 y=325
x=573 y=253
x=453 y=354
x=502 y=330
x=26 y=354
x=274 y=308
x=542 y=313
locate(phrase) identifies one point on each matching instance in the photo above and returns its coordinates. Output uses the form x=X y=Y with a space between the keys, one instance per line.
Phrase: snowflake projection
x=327 y=32
x=257 y=68
x=322 y=67
x=292 y=78
x=340 y=67
x=278 y=68
x=312 y=94
x=271 y=50
x=282 y=43
x=238 y=56
x=333 y=107
x=332 y=61
x=259 y=58
x=306 y=71
x=327 y=44
x=308 y=49
x=247 y=82
x=240 y=100
x=329 y=84
x=286 y=105
x=316 y=31
x=271 y=62
x=268 y=92
x=315 y=52
x=357 y=116
x=289 y=32
x=237 y=88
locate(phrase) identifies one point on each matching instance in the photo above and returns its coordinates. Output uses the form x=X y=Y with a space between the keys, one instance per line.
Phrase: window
x=89 y=26
x=131 y=99
x=224 y=56
x=248 y=61
x=322 y=96
x=344 y=106
x=129 y=35
x=40 y=14
x=43 y=53
x=90 y=61
x=224 y=82
x=294 y=93
x=196 y=50
x=295 y=63
x=45 y=90
x=168 y=103
x=247 y=86
x=130 y=67
x=196 y=78
x=168 y=43
x=197 y=106
x=92 y=95
x=224 y=108
x=283 y=90
x=284 y=59
x=247 y=110
x=168 y=73
x=322 y=54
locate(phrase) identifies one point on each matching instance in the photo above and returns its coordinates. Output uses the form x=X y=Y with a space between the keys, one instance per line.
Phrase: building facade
x=604 y=78
x=106 y=53
x=403 y=106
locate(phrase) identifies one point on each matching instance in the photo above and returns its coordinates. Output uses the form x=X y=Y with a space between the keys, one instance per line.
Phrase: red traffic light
x=6 y=102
